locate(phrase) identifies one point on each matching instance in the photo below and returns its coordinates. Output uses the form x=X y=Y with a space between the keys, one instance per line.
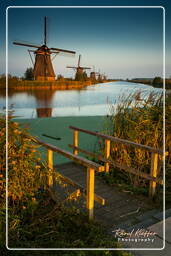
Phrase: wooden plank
x=97 y=198
x=121 y=166
x=74 y=195
x=77 y=159
x=107 y=154
x=50 y=166
x=75 y=142
x=90 y=192
x=97 y=156
x=118 y=140
x=154 y=170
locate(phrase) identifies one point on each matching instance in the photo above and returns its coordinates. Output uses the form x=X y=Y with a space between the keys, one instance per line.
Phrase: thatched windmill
x=79 y=69
x=43 y=69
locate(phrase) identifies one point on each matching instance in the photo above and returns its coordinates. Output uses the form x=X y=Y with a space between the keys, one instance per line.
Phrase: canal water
x=94 y=100
x=87 y=108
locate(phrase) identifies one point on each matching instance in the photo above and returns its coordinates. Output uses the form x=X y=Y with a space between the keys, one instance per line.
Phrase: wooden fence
x=91 y=168
x=152 y=177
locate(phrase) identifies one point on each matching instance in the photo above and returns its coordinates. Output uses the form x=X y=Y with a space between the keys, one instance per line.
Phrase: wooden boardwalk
x=120 y=206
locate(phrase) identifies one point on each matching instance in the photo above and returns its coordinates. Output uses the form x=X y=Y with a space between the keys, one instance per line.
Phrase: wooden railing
x=152 y=177
x=91 y=168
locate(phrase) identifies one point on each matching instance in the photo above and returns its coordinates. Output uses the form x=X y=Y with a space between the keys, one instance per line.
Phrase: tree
x=28 y=75
x=157 y=81
x=60 y=78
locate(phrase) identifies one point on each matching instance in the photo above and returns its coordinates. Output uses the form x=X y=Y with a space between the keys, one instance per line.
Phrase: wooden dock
x=120 y=206
x=89 y=192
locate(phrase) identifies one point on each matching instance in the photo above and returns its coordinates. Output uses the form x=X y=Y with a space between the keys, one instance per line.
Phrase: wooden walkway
x=119 y=206
x=82 y=175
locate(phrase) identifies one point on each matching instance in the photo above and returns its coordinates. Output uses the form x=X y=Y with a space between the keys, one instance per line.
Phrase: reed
x=138 y=117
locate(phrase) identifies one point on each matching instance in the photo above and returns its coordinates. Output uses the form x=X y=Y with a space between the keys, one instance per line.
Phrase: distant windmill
x=79 y=69
x=99 y=76
x=43 y=69
x=104 y=76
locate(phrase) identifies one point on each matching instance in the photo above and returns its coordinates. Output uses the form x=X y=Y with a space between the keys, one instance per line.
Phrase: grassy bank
x=61 y=85
x=140 y=122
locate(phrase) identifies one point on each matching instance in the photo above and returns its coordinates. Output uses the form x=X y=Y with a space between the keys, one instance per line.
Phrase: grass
x=139 y=118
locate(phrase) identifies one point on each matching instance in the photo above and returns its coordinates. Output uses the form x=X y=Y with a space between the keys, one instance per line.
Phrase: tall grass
x=138 y=117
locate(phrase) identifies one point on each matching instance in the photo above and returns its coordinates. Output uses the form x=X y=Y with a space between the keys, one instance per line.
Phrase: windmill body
x=43 y=68
x=93 y=75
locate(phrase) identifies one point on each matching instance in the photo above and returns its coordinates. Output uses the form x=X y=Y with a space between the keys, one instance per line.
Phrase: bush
x=35 y=221
x=26 y=173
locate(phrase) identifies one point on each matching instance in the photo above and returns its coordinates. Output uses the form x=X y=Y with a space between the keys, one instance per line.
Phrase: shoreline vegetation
x=35 y=220
x=157 y=82
x=16 y=83
x=26 y=84
x=142 y=124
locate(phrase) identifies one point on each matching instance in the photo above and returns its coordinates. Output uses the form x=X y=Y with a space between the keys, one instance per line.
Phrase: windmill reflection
x=44 y=100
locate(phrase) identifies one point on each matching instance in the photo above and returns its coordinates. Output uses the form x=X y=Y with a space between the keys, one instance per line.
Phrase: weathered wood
x=97 y=156
x=74 y=195
x=77 y=159
x=90 y=192
x=97 y=198
x=118 y=201
x=118 y=140
x=122 y=166
x=50 y=166
x=107 y=154
x=154 y=170
x=75 y=142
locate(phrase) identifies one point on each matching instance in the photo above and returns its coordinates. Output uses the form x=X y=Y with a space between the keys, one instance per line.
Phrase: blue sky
x=122 y=42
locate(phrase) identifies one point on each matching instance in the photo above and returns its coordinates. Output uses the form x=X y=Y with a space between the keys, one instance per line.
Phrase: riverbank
x=39 y=85
x=152 y=83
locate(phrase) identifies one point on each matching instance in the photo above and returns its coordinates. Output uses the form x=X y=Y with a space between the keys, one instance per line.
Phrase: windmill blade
x=85 y=67
x=79 y=60
x=54 y=52
x=62 y=50
x=71 y=67
x=45 y=34
x=28 y=45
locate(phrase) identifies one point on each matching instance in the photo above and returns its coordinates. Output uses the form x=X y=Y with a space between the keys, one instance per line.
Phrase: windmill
x=104 y=76
x=100 y=78
x=79 y=69
x=43 y=68
x=93 y=74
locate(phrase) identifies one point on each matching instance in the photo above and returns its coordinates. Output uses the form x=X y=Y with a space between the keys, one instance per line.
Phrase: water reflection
x=44 y=100
x=95 y=100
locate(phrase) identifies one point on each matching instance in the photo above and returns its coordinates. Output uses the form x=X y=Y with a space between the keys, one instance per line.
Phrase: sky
x=120 y=42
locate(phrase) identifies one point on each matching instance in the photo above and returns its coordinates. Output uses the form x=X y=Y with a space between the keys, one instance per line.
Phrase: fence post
x=153 y=172
x=90 y=192
x=50 y=166
x=75 y=142
x=107 y=154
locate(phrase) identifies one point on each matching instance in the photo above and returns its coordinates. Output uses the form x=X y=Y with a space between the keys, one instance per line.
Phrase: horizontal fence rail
x=91 y=168
x=118 y=140
x=152 y=177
